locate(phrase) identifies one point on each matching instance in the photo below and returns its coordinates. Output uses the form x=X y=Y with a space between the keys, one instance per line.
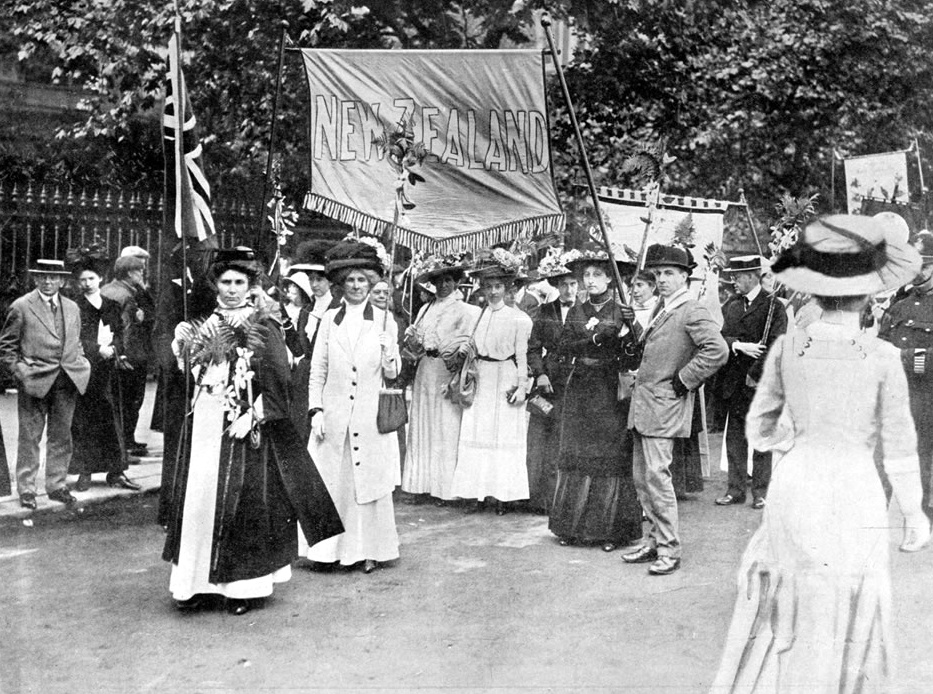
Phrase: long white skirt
x=433 y=433
x=493 y=439
x=369 y=529
x=190 y=575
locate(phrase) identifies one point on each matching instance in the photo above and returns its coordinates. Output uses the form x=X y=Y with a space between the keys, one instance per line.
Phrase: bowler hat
x=676 y=256
x=846 y=255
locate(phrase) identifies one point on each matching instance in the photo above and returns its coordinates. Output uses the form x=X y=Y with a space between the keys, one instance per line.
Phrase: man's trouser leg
x=921 y=407
x=31 y=413
x=651 y=462
x=61 y=408
x=133 y=386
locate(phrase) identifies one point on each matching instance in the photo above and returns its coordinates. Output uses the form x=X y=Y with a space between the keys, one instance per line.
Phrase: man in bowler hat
x=40 y=344
x=682 y=348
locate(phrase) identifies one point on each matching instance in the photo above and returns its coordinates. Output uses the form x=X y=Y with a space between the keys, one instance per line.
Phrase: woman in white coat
x=355 y=350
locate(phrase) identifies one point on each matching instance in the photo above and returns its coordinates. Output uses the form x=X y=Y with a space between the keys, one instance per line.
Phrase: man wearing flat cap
x=40 y=344
x=908 y=325
x=752 y=321
x=682 y=349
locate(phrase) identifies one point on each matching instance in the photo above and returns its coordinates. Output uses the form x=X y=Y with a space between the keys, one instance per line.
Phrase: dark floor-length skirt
x=595 y=500
x=543 y=453
x=97 y=427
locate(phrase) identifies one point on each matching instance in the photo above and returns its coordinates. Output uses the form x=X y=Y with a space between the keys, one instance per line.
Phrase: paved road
x=476 y=603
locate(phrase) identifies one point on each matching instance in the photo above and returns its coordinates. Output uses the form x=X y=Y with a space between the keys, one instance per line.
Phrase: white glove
x=317 y=425
x=916 y=532
x=518 y=397
x=385 y=339
x=241 y=426
x=751 y=349
x=106 y=351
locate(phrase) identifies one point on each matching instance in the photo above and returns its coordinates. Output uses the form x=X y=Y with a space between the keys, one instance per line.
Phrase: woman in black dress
x=97 y=426
x=595 y=501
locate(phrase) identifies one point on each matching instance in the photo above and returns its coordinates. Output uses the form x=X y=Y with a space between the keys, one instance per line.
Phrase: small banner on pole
x=881 y=176
x=481 y=119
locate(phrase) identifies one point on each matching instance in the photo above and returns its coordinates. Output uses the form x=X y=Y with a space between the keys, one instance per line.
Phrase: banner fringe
x=472 y=241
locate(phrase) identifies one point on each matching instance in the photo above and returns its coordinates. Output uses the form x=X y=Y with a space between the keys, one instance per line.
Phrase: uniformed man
x=908 y=324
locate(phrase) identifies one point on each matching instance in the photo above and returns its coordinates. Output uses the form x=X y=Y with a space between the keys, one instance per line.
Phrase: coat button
x=351 y=397
x=356 y=433
x=356 y=448
x=353 y=368
x=800 y=353
x=353 y=384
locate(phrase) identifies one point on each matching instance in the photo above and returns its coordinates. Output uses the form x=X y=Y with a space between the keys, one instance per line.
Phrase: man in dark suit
x=40 y=344
x=752 y=322
x=682 y=349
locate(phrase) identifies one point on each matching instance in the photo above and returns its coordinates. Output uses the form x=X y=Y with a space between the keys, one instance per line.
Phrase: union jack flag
x=192 y=192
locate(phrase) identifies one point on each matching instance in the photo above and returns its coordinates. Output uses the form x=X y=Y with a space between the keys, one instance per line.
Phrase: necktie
x=57 y=318
x=566 y=304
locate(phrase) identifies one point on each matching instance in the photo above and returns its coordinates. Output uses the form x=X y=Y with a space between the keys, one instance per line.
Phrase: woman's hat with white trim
x=846 y=255
x=300 y=280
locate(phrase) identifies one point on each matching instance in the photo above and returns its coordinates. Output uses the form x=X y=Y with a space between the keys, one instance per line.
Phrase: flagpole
x=751 y=224
x=923 y=188
x=275 y=113
x=177 y=93
x=617 y=276
x=832 y=179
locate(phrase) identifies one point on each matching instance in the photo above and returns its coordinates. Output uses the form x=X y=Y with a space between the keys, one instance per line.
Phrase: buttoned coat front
x=345 y=381
x=684 y=341
x=35 y=353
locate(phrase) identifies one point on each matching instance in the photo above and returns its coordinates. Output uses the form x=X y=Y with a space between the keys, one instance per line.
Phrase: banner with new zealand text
x=480 y=116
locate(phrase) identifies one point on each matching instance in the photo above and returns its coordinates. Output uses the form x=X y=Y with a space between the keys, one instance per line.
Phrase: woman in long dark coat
x=595 y=501
x=232 y=527
x=97 y=425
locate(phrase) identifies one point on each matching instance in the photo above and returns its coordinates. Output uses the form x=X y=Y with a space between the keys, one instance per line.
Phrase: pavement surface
x=475 y=604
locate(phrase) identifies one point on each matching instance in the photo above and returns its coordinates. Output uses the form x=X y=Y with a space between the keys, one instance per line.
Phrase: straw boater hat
x=49 y=267
x=674 y=255
x=352 y=255
x=846 y=255
x=746 y=263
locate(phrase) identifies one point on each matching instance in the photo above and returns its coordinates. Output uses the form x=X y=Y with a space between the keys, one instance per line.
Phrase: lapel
x=40 y=307
x=343 y=336
x=661 y=318
x=757 y=304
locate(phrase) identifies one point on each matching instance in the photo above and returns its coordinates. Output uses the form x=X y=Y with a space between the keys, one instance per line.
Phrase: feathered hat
x=311 y=256
x=353 y=255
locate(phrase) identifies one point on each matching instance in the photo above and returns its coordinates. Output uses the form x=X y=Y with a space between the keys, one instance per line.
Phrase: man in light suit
x=752 y=322
x=40 y=344
x=682 y=348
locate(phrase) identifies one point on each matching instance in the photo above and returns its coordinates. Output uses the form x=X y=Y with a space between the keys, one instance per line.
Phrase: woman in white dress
x=813 y=608
x=434 y=428
x=243 y=477
x=493 y=431
x=356 y=350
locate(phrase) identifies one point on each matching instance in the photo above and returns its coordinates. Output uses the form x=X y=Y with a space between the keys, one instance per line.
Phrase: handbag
x=539 y=405
x=461 y=388
x=393 y=411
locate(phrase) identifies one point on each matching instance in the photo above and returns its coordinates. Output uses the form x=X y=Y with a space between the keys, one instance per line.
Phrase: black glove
x=680 y=389
x=628 y=313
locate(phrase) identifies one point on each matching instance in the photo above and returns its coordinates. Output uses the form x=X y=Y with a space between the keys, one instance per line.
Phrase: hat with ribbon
x=49 y=267
x=745 y=263
x=595 y=254
x=311 y=256
x=497 y=263
x=846 y=255
x=432 y=267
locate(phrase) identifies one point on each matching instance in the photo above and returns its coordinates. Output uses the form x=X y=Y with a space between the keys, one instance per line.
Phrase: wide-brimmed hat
x=595 y=254
x=497 y=263
x=846 y=255
x=49 y=267
x=352 y=255
x=553 y=267
x=745 y=263
x=311 y=256
x=300 y=280
x=659 y=255
x=432 y=267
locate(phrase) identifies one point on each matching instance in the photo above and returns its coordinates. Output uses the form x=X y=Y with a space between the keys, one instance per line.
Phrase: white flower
x=592 y=323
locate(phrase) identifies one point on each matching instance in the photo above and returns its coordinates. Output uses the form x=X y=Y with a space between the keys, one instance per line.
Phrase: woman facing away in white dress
x=356 y=350
x=434 y=425
x=494 y=430
x=814 y=593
